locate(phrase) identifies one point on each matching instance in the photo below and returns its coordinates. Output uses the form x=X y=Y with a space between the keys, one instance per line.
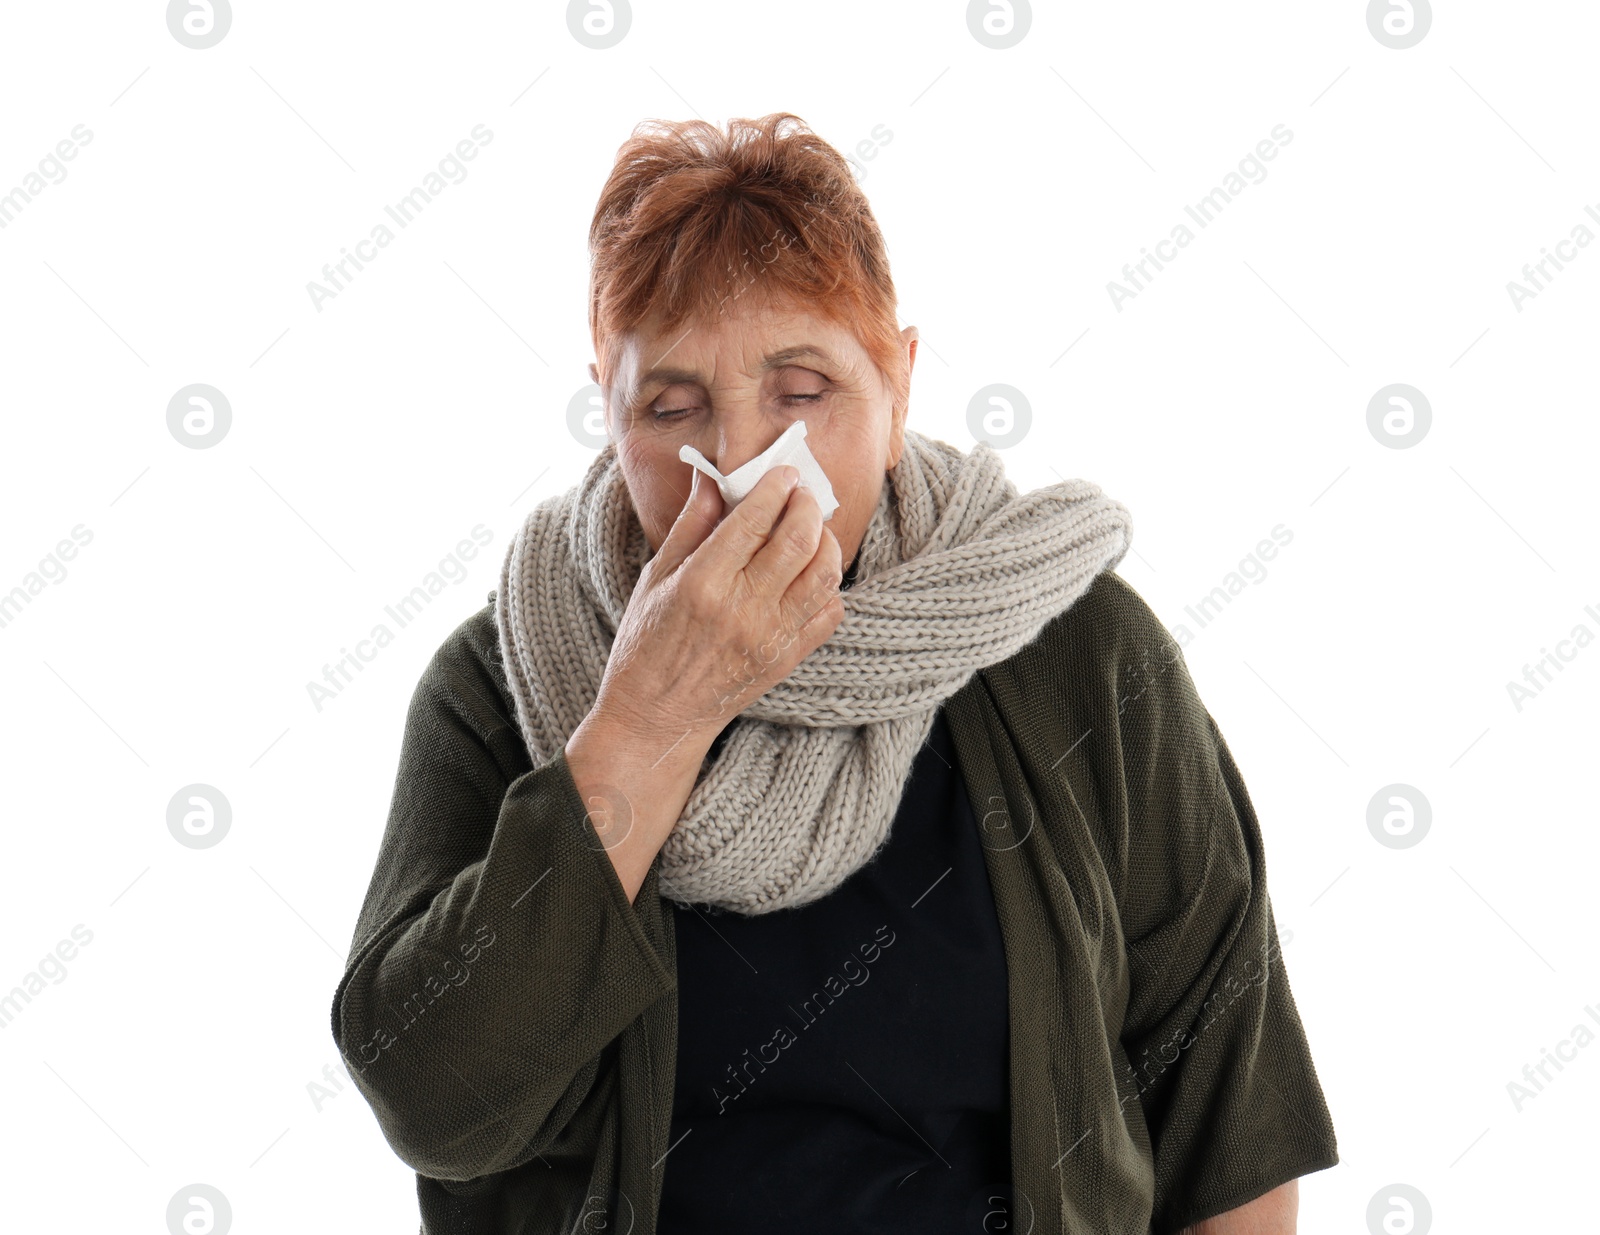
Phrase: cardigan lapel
x=1080 y=1159
x=1007 y=827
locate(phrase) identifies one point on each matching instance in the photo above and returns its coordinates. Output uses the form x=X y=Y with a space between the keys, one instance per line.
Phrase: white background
x=370 y=437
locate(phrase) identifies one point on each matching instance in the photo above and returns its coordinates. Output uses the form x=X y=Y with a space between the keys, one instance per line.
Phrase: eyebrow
x=775 y=360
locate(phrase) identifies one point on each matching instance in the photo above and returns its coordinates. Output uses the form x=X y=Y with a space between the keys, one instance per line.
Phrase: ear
x=605 y=411
x=897 y=426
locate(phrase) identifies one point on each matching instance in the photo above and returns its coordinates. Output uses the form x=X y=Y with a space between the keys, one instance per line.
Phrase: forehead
x=743 y=340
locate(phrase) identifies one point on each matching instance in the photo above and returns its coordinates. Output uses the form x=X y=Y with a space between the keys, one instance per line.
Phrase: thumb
x=696 y=521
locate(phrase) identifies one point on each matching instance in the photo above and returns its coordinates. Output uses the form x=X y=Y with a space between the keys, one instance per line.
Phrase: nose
x=740 y=438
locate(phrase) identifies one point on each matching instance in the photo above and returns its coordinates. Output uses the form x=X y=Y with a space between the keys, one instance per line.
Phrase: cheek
x=658 y=494
x=657 y=510
x=857 y=483
x=856 y=476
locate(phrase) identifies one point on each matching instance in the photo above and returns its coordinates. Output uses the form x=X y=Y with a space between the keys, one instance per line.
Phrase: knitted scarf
x=956 y=572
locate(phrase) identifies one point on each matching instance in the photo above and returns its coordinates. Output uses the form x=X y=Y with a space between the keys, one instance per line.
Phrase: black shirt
x=842 y=1066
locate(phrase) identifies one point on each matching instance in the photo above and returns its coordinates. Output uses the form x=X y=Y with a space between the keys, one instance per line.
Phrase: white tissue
x=790 y=448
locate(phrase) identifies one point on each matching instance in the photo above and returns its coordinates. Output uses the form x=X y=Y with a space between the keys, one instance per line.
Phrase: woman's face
x=730 y=387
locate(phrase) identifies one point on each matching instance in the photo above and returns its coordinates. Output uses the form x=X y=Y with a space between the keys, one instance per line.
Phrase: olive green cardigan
x=512 y=1018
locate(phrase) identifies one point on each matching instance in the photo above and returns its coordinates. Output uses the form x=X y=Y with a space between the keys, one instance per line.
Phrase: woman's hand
x=723 y=612
x=1273 y=1213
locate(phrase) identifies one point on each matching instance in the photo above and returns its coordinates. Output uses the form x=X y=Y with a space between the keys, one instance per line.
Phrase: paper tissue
x=790 y=448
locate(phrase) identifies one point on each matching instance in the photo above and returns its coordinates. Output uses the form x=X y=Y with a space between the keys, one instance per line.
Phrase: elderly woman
x=844 y=856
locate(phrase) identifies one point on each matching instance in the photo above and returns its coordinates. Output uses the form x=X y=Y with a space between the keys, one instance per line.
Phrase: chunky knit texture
x=956 y=572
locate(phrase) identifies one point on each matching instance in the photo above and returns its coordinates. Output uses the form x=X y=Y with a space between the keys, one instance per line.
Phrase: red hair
x=692 y=218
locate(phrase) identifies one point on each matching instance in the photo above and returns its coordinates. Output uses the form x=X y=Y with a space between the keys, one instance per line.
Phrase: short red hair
x=692 y=218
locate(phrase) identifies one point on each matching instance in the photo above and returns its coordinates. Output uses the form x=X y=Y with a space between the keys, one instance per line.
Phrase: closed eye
x=675 y=413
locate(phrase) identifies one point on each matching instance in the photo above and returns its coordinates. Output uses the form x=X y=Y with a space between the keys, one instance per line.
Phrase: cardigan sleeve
x=496 y=956
x=1221 y=1062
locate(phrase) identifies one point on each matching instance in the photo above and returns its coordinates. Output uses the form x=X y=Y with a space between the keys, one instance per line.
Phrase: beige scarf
x=956 y=572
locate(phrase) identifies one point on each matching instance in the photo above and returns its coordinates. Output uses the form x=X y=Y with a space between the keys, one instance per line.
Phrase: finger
x=695 y=522
x=745 y=530
x=791 y=546
x=816 y=588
